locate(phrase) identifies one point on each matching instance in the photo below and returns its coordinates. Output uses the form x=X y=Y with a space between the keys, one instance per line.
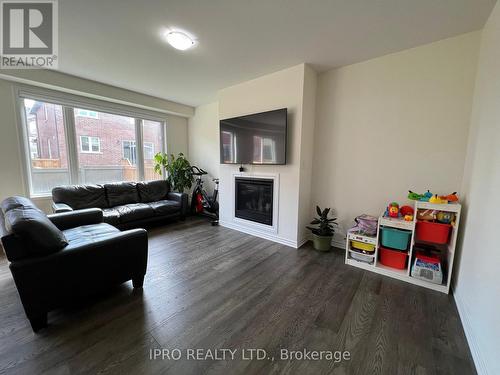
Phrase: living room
x=194 y=187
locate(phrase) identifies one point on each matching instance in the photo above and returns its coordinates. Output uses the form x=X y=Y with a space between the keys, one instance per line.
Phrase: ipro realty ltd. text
x=247 y=354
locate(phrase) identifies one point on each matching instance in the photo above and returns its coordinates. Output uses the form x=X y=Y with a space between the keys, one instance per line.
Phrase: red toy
x=407 y=212
x=453 y=197
x=393 y=209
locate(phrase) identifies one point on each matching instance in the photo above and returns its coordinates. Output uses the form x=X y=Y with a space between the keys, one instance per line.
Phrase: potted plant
x=179 y=173
x=323 y=233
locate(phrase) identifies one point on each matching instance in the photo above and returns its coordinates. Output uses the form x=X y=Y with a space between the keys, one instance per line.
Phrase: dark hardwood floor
x=215 y=288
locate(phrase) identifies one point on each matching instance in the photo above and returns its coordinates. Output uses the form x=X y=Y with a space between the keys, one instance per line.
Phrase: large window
x=46 y=138
x=153 y=140
x=105 y=162
x=105 y=146
x=130 y=152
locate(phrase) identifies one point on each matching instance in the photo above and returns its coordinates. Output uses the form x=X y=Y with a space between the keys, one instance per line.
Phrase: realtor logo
x=29 y=34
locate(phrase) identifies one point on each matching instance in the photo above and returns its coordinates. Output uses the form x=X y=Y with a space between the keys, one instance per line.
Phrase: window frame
x=80 y=112
x=69 y=103
x=131 y=144
x=90 y=138
x=152 y=150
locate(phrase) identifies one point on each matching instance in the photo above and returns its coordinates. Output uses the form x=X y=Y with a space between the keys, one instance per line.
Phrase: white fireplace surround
x=257 y=229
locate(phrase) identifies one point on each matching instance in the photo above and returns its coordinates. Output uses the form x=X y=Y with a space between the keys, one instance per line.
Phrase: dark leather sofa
x=124 y=204
x=59 y=257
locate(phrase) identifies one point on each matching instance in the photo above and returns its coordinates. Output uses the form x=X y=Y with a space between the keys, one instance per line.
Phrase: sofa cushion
x=88 y=234
x=134 y=211
x=111 y=216
x=15 y=202
x=151 y=191
x=80 y=196
x=165 y=207
x=36 y=229
x=121 y=193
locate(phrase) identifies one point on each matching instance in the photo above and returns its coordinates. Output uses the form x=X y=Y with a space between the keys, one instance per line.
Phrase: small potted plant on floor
x=323 y=233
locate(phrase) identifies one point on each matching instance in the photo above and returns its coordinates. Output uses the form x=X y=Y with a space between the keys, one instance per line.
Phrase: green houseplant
x=323 y=233
x=178 y=169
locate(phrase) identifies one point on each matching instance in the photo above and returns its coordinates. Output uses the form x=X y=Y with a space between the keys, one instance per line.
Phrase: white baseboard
x=463 y=312
x=338 y=243
x=267 y=236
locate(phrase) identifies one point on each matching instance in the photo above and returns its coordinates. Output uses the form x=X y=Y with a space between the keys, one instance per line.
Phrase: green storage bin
x=395 y=238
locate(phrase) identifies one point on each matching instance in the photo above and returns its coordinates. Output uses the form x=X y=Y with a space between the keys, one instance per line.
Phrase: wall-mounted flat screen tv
x=254 y=139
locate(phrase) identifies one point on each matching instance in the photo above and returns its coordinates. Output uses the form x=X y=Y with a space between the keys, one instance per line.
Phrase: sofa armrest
x=72 y=219
x=182 y=198
x=60 y=207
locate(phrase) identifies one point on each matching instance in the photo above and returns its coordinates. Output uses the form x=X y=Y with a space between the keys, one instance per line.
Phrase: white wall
x=203 y=135
x=177 y=134
x=283 y=89
x=391 y=124
x=306 y=152
x=477 y=289
x=12 y=179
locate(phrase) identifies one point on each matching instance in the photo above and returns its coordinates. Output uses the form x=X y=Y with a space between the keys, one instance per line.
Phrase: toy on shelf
x=428 y=268
x=426 y=215
x=453 y=197
x=444 y=217
x=407 y=212
x=392 y=210
x=437 y=200
x=420 y=197
x=433 y=198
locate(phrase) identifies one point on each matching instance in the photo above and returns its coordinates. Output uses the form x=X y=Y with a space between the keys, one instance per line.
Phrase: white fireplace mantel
x=257 y=229
x=251 y=224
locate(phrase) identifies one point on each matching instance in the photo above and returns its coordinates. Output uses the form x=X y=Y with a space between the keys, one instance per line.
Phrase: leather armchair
x=93 y=255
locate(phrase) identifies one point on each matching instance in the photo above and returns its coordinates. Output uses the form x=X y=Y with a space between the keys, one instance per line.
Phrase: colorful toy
x=444 y=217
x=426 y=215
x=453 y=197
x=437 y=200
x=428 y=268
x=393 y=210
x=407 y=213
x=413 y=196
x=426 y=196
x=419 y=197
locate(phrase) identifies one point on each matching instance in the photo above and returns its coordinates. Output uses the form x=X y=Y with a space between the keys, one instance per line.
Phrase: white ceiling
x=118 y=41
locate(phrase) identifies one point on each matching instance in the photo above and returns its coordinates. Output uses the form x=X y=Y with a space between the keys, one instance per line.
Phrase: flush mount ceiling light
x=179 y=40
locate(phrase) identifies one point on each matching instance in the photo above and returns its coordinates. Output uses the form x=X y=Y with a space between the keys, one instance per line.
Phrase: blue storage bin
x=395 y=238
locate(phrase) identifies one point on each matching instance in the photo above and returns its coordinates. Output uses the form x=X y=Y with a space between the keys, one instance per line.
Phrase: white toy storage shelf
x=371 y=262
